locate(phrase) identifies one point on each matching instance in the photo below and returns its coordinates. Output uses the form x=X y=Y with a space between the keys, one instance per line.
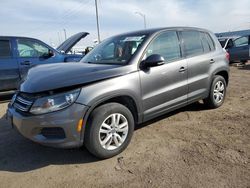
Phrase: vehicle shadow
x=245 y=67
x=18 y=154
x=197 y=106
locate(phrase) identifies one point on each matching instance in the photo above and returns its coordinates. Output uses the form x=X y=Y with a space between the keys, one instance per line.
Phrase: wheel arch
x=126 y=100
x=224 y=74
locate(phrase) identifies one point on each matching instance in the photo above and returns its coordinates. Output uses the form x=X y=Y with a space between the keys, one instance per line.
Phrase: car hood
x=61 y=75
x=70 y=42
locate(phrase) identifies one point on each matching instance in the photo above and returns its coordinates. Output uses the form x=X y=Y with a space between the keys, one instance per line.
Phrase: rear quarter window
x=5 y=50
x=210 y=41
x=207 y=42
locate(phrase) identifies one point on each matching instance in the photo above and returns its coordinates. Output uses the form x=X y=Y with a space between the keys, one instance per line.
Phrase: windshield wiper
x=90 y=62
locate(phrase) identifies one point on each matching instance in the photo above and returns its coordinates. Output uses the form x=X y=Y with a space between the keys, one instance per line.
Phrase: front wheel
x=109 y=130
x=217 y=93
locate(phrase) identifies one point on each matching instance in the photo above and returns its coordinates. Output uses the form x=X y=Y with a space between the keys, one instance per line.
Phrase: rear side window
x=192 y=43
x=5 y=50
x=167 y=45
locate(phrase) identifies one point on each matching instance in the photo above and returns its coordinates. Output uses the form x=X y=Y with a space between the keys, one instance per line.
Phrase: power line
x=63 y=19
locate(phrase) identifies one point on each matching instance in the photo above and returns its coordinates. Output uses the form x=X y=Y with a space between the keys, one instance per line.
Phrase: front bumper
x=55 y=129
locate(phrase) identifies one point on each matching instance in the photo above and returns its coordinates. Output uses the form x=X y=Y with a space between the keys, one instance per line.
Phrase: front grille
x=22 y=103
x=53 y=133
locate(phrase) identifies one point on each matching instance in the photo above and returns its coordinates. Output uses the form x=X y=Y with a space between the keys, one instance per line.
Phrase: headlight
x=54 y=102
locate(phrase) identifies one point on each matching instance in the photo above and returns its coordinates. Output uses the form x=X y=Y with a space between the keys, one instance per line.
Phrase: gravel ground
x=191 y=147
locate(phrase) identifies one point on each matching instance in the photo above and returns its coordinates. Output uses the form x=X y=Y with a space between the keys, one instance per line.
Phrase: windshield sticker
x=136 y=39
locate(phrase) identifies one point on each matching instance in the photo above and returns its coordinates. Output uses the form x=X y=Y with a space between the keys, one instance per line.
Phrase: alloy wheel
x=113 y=131
x=219 y=91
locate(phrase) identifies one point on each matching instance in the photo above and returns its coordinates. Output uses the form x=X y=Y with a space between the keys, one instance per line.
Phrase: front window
x=167 y=45
x=243 y=41
x=30 y=48
x=115 y=50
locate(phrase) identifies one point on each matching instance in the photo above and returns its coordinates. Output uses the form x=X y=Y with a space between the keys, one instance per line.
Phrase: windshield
x=115 y=50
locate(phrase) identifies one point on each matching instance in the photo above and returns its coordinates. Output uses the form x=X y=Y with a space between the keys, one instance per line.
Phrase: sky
x=47 y=19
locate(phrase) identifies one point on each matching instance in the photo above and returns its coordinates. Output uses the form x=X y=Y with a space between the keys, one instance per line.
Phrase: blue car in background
x=238 y=48
x=19 y=54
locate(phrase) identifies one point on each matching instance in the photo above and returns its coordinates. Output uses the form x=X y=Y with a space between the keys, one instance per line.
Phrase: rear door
x=164 y=87
x=9 y=71
x=197 y=47
x=32 y=52
x=240 y=49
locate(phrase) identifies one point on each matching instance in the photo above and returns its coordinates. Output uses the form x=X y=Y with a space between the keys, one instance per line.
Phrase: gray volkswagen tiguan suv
x=126 y=80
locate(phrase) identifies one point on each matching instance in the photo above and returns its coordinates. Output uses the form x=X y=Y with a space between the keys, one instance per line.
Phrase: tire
x=217 y=93
x=101 y=125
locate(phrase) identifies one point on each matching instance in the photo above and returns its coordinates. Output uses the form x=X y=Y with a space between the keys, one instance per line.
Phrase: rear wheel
x=109 y=130
x=217 y=92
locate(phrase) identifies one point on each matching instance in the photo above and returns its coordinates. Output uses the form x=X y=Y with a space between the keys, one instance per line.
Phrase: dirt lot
x=191 y=147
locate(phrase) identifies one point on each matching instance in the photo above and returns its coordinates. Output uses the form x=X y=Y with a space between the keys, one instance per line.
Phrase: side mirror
x=51 y=53
x=48 y=55
x=153 y=61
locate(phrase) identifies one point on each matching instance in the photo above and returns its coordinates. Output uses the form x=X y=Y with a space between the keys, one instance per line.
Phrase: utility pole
x=144 y=18
x=59 y=37
x=97 y=21
x=65 y=34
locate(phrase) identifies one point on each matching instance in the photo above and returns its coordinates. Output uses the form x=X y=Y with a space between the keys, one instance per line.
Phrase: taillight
x=227 y=56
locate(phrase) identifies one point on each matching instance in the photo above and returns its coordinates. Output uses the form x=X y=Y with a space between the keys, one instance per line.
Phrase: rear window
x=192 y=43
x=5 y=48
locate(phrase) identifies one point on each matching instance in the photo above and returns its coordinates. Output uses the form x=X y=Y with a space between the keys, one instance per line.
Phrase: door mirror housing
x=153 y=61
x=49 y=54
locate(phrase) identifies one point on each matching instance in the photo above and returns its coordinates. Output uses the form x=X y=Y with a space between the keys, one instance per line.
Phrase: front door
x=32 y=52
x=164 y=87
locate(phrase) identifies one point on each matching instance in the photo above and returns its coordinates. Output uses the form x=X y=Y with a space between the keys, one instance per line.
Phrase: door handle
x=26 y=63
x=182 y=69
x=211 y=61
